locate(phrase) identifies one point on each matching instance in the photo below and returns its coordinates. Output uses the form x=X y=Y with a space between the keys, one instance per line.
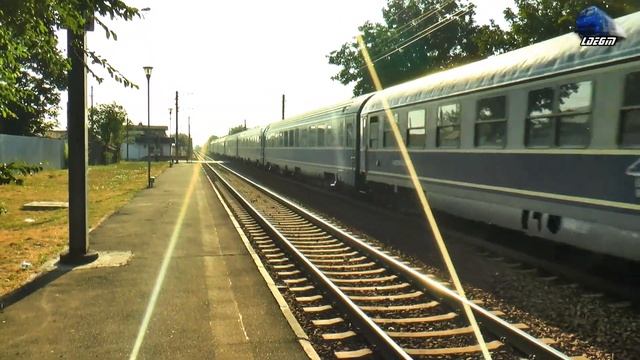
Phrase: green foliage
x=32 y=69
x=237 y=129
x=539 y=20
x=107 y=124
x=456 y=42
x=405 y=22
x=183 y=144
x=212 y=138
x=208 y=143
x=11 y=173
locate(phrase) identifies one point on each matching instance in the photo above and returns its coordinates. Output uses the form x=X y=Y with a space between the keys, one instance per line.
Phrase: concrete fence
x=32 y=150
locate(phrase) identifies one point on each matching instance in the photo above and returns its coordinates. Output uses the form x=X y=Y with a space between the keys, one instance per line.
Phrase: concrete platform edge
x=302 y=336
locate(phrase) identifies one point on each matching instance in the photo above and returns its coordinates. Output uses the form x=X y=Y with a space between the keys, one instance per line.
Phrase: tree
x=539 y=20
x=401 y=54
x=107 y=124
x=399 y=49
x=211 y=138
x=237 y=129
x=183 y=144
x=33 y=70
x=207 y=146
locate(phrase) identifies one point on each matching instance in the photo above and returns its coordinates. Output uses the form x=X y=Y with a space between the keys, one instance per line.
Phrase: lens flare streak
x=423 y=200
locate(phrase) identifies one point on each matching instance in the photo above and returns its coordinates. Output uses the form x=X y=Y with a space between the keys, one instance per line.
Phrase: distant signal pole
x=177 y=158
x=282 y=106
x=170 y=153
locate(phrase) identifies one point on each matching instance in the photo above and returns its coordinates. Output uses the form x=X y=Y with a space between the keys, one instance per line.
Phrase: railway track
x=353 y=290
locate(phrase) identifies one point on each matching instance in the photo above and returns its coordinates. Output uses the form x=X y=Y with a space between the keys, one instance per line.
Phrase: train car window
x=373 y=132
x=541 y=102
x=540 y=127
x=349 y=134
x=388 y=140
x=291 y=139
x=285 y=141
x=329 y=138
x=321 y=135
x=562 y=121
x=303 y=137
x=313 y=134
x=491 y=124
x=630 y=112
x=296 y=137
x=574 y=129
x=575 y=97
x=448 y=125
x=416 y=132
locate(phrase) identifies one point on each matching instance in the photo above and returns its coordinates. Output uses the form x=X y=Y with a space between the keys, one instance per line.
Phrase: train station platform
x=190 y=289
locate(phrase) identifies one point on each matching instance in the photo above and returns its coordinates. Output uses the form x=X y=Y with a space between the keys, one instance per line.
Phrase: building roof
x=140 y=126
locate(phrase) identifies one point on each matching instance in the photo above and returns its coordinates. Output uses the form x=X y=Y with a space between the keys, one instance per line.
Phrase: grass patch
x=36 y=236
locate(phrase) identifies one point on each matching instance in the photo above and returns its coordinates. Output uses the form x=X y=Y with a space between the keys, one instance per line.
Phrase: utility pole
x=189 y=135
x=147 y=72
x=170 y=153
x=77 y=139
x=282 y=106
x=177 y=157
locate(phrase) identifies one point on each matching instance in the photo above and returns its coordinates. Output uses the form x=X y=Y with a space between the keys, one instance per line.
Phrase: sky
x=231 y=61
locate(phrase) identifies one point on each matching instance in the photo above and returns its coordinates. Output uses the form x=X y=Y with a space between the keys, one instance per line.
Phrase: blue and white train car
x=544 y=139
x=321 y=143
x=250 y=145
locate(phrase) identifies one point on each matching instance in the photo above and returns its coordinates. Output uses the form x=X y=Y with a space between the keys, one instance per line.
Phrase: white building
x=141 y=140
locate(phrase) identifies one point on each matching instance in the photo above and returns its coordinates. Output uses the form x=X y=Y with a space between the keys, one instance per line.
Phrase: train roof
x=351 y=106
x=546 y=58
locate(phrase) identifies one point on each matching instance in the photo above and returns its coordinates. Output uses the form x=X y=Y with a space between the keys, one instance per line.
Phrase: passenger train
x=544 y=139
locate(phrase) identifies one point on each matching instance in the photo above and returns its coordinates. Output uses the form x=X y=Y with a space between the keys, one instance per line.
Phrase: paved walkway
x=191 y=289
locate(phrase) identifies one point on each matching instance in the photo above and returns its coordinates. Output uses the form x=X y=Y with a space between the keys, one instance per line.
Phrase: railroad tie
x=416 y=320
x=314 y=309
x=411 y=295
x=353 y=354
x=375 y=288
x=338 y=336
x=327 y=322
x=493 y=345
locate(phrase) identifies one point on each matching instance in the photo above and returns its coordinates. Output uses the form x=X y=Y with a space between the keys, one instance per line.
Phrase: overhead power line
x=413 y=23
x=426 y=32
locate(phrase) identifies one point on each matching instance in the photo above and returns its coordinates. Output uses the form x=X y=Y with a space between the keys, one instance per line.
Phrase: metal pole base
x=70 y=258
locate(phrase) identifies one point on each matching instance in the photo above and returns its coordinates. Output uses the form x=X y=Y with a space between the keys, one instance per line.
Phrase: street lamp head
x=147 y=71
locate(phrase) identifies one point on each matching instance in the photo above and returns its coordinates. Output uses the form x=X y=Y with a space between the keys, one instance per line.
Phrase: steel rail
x=371 y=331
x=515 y=337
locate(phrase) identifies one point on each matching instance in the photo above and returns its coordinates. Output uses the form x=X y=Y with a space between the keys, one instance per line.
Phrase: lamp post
x=147 y=72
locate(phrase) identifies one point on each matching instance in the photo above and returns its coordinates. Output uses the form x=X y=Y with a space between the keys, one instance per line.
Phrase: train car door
x=370 y=137
x=263 y=142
